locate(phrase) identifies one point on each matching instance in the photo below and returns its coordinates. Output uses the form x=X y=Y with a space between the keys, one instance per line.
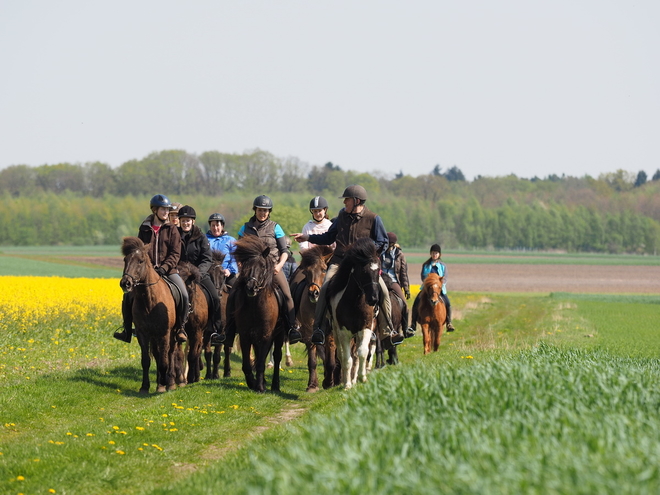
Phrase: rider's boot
x=450 y=327
x=181 y=335
x=217 y=336
x=410 y=331
x=127 y=333
x=294 y=334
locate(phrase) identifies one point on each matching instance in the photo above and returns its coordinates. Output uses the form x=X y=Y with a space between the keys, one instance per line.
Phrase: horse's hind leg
x=289 y=359
x=277 y=357
x=363 y=354
x=216 y=362
x=146 y=363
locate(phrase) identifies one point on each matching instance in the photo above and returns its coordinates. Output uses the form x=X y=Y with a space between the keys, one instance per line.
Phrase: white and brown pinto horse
x=353 y=296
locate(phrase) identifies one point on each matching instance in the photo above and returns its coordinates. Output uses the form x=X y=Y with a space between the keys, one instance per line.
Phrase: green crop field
x=533 y=393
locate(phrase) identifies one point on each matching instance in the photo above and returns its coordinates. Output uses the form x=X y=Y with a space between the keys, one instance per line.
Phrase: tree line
x=94 y=203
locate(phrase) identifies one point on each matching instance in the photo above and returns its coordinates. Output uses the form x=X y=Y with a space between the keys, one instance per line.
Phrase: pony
x=431 y=312
x=256 y=312
x=353 y=295
x=212 y=354
x=198 y=318
x=154 y=316
x=306 y=293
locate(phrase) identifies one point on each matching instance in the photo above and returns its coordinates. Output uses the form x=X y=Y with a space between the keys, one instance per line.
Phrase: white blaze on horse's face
x=373 y=267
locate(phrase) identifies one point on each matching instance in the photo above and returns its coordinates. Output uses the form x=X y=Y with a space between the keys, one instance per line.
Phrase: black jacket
x=196 y=249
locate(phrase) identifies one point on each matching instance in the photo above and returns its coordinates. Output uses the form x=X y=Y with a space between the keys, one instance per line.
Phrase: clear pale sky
x=516 y=86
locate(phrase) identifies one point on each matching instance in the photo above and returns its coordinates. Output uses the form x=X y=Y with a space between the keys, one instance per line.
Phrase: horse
x=353 y=296
x=212 y=356
x=398 y=323
x=198 y=318
x=431 y=312
x=305 y=289
x=154 y=316
x=256 y=311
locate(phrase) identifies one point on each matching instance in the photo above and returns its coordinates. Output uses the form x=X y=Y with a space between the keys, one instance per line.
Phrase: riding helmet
x=263 y=202
x=391 y=237
x=216 y=217
x=436 y=248
x=187 y=212
x=355 y=191
x=318 y=203
x=160 y=200
x=174 y=207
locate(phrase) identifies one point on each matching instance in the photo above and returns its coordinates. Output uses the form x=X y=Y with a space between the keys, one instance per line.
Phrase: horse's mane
x=314 y=255
x=218 y=257
x=431 y=278
x=189 y=273
x=359 y=253
x=388 y=280
x=253 y=255
x=131 y=244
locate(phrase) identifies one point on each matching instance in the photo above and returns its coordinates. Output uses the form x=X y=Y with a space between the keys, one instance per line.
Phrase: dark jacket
x=165 y=249
x=348 y=227
x=266 y=231
x=400 y=268
x=196 y=249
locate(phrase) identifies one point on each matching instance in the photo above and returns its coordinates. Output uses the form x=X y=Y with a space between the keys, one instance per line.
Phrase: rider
x=319 y=224
x=354 y=221
x=174 y=213
x=221 y=241
x=393 y=262
x=164 y=252
x=262 y=226
x=432 y=265
x=196 y=250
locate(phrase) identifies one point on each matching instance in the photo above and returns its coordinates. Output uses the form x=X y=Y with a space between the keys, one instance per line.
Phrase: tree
x=656 y=175
x=437 y=170
x=454 y=174
x=641 y=179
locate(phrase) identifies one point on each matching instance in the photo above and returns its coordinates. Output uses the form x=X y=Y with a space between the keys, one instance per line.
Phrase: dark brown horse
x=154 y=316
x=256 y=312
x=305 y=288
x=213 y=353
x=197 y=319
x=432 y=312
x=353 y=294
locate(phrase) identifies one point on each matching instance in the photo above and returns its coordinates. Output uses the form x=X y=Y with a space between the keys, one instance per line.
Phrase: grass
x=531 y=394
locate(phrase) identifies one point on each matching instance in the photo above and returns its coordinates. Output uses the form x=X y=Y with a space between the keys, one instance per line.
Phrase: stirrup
x=450 y=327
x=294 y=335
x=410 y=332
x=396 y=338
x=218 y=338
x=124 y=336
x=318 y=337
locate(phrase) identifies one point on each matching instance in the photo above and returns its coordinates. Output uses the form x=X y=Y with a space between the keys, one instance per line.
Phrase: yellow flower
x=50 y=490
x=120 y=452
x=20 y=478
x=141 y=428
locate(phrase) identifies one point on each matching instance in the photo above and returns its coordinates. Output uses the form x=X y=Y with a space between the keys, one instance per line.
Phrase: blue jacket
x=435 y=267
x=225 y=244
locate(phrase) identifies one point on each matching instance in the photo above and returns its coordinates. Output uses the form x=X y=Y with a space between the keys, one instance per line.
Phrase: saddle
x=178 y=299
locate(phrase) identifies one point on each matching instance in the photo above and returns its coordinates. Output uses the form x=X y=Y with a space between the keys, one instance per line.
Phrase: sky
x=522 y=87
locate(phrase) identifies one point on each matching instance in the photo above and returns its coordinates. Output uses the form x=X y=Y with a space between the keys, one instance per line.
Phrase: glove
x=407 y=294
x=161 y=271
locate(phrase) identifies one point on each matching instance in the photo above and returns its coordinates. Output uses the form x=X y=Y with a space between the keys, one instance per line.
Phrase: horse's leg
x=287 y=348
x=146 y=363
x=277 y=356
x=437 y=334
x=260 y=355
x=247 y=363
x=343 y=339
x=171 y=358
x=426 y=333
x=162 y=358
x=216 y=361
x=329 y=364
x=313 y=382
x=271 y=362
x=363 y=339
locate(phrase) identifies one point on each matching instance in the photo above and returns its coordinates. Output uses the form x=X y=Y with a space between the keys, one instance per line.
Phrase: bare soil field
x=521 y=277
x=548 y=278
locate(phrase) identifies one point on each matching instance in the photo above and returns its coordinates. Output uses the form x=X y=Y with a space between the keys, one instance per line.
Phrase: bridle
x=362 y=286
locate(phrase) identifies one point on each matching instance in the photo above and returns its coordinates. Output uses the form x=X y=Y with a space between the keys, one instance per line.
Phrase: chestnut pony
x=353 y=295
x=154 y=316
x=432 y=311
x=313 y=267
x=256 y=311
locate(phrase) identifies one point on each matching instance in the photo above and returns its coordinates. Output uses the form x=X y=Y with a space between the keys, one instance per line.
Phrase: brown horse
x=256 y=311
x=197 y=319
x=306 y=288
x=432 y=312
x=399 y=324
x=353 y=295
x=154 y=315
x=212 y=354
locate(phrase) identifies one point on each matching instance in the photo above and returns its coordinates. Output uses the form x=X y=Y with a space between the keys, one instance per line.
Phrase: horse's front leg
x=146 y=363
x=246 y=346
x=261 y=351
x=437 y=333
x=227 y=368
x=277 y=358
x=426 y=334
x=330 y=363
x=343 y=339
x=313 y=382
x=363 y=340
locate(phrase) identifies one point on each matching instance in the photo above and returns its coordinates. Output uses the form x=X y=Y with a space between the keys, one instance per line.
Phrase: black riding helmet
x=262 y=202
x=318 y=203
x=216 y=217
x=187 y=212
x=160 y=200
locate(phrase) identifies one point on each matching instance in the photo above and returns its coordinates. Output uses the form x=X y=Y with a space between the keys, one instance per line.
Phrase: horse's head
x=363 y=258
x=216 y=271
x=314 y=264
x=137 y=264
x=257 y=267
x=433 y=288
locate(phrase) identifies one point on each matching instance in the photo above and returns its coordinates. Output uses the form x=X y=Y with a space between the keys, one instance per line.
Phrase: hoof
x=312 y=390
x=270 y=365
x=161 y=389
x=289 y=361
x=144 y=391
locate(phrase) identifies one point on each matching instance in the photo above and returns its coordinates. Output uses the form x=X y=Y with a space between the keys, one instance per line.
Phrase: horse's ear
x=266 y=252
x=328 y=257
